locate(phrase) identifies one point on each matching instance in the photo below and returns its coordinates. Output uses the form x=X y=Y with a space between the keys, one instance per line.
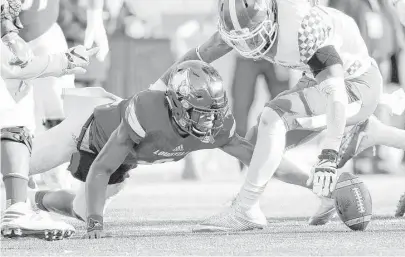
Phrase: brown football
x=353 y=201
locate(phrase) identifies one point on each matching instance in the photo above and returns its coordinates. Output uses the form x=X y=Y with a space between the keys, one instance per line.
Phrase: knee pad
x=271 y=119
x=17 y=134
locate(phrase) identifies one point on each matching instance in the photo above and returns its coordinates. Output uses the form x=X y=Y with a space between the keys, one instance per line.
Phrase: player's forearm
x=190 y=55
x=208 y=52
x=240 y=148
x=336 y=113
x=96 y=188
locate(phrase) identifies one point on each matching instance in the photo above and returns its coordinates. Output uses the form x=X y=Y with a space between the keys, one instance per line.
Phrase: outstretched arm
x=209 y=51
x=327 y=68
x=107 y=162
x=239 y=148
x=71 y=62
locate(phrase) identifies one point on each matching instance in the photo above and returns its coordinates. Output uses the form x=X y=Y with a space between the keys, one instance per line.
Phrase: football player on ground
x=154 y=126
x=341 y=86
x=17 y=121
x=44 y=36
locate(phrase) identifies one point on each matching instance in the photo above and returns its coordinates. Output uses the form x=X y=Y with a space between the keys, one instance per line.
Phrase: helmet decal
x=197 y=99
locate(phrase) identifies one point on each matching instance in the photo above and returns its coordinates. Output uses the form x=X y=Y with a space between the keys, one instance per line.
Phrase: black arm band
x=323 y=58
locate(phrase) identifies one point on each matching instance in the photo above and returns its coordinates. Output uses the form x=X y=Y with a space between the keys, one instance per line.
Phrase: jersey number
x=156 y=162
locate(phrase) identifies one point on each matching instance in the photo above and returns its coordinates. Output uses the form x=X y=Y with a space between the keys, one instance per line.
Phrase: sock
x=39 y=196
x=60 y=201
x=16 y=189
x=266 y=157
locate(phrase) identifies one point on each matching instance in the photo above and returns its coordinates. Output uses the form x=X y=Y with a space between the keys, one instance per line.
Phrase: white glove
x=324 y=174
x=95 y=33
x=78 y=58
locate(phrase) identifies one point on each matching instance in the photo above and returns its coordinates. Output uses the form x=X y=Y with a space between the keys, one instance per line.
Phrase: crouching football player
x=108 y=136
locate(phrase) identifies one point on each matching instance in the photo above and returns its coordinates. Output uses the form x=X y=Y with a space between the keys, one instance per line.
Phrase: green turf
x=155 y=218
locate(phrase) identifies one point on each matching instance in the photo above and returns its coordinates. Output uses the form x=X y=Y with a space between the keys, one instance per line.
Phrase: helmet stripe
x=234 y=15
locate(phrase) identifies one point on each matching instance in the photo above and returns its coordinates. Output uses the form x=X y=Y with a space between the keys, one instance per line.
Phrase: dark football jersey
x=148 y=121
x=37 y=17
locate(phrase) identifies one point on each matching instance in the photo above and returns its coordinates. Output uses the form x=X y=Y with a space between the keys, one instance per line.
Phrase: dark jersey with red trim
x=37 y=17
x=148 y=121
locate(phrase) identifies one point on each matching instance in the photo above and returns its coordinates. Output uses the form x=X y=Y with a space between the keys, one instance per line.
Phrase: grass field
x=154 y=215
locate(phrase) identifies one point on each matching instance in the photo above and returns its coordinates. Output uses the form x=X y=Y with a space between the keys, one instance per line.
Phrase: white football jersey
x=304 y=28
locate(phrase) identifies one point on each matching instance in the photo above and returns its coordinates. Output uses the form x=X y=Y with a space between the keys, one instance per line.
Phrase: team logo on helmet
x=197 y=99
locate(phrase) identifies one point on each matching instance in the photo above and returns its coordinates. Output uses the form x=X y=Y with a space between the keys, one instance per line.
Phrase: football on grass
x=353 y=201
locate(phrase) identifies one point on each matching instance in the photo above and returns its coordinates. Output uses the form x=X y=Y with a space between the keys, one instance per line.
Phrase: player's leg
x=291 y=110
x=71 y=203
x=290 y=173
x=287 y=171
x=17 y=124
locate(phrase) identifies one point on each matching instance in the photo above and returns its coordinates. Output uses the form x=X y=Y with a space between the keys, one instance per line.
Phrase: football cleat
x=400 y=207
x=234 y=218
x=20 y=221
x=325 y=212
x=351 y=142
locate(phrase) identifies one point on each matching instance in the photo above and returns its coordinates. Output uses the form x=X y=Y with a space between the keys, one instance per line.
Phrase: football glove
x=95 y=33
x=21 y=50
x=324 y=175
x=78 y=58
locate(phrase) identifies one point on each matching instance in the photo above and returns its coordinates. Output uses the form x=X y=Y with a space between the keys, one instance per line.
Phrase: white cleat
x=20 y=221
x=400 y=207
x=234 y=218
x=325 y=212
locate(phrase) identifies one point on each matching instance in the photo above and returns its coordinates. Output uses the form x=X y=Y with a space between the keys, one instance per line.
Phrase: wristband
x=94 y=222
x=329 y=155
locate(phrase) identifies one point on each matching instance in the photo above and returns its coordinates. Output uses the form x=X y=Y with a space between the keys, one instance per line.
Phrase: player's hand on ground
x=20 y=48
x=323 y=176
x=95 y=234
x=95 y=228
x=96 y=33
x=78 y=58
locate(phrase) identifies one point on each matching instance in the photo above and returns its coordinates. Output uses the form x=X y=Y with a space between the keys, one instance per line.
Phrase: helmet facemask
x=254 y=42
x=202 y=123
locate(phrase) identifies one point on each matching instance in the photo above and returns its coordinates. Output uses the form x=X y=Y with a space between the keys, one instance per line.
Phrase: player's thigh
x=368 y=88
x=18 y=111
x=54 y=147
x=294 y=138
x=79 y=203
x=304 y=100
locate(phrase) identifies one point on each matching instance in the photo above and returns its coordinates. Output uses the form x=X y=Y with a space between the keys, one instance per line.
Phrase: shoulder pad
x=132 y=119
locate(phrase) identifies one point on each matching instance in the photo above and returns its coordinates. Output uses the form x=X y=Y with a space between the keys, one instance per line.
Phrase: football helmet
x=197 y=99
x=249 y=26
